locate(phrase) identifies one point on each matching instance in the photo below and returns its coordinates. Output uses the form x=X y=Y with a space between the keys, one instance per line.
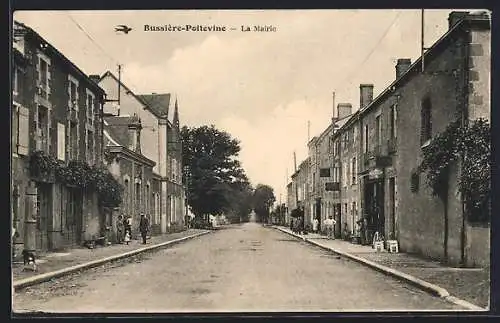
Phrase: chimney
x=365 y=95
x=134 y=131
x=344 y=110
x=402 y=66
x=95 y=78
x=456 y=16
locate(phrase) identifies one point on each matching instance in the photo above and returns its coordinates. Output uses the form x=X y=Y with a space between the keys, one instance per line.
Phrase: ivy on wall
x=78 y=174
x=471 y=144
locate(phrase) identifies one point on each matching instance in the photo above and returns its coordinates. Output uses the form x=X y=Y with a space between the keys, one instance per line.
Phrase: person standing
x=315 y=225
x=329 y=225
x=144 y=227
x=120 y=229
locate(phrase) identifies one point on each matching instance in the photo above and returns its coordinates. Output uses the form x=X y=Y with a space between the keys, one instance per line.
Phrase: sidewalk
x=53 y=261
x=469 y=284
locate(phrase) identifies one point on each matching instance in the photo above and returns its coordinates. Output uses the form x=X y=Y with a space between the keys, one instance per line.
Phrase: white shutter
x=24 y=131
x=61 y=141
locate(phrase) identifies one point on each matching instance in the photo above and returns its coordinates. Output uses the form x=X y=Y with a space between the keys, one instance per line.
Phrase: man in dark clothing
x=144 y=227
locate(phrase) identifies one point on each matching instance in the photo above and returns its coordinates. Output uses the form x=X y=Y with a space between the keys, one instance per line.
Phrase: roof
x=58 y=54
x=117 y=129
x=157 y=104
x=438 y=45
x=414 y=67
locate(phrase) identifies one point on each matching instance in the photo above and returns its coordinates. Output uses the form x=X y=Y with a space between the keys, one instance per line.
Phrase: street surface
x=246 y=268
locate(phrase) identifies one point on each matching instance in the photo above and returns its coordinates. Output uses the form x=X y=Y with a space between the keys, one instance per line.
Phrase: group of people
x=124 y=228
x=297 y=226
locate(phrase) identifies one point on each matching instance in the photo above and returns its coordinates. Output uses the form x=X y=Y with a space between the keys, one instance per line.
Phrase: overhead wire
x=82 y=29
x=349 y=77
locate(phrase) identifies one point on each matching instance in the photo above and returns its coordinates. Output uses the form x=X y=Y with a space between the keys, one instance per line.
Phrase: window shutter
x=61 y=141
x=24 y=131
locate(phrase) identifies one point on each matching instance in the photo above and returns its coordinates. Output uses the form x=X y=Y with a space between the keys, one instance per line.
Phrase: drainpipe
x=464 y=117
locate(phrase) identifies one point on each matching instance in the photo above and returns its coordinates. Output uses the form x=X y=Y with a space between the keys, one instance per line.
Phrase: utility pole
x=119 y=85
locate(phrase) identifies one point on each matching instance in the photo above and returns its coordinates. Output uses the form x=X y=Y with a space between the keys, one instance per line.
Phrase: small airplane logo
x=123 y=28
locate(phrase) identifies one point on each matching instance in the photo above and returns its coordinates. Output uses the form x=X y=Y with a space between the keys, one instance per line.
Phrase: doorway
x=73 y=216
x=338 y=219
x=392 y=208
x=44 y=210
x=374 y=207
x=318 y=213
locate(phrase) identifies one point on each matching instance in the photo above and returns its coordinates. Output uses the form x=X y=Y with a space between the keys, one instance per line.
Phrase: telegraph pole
x=119 y=85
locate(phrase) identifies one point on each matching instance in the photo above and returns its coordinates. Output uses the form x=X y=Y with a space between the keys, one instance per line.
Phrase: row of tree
x=215 y=181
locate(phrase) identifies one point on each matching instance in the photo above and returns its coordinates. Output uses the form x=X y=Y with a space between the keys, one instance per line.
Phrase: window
x=157 y=208
x=354 y=170
x=72 y=92
x=90 y=108
x=393 y=121
x=90 y=147
x=42 y=131
x=366 y=138
x=146 y=200
x=20 y=130
x=126 y=192
x=378 y=122
x=347 y=173
x=174 y=169
x=15 y=82
x=138 y=197
x=425 y=123
x=73 y=140
x=43 y=76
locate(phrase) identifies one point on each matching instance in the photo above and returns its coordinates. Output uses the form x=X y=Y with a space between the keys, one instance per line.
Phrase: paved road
x=242 y=268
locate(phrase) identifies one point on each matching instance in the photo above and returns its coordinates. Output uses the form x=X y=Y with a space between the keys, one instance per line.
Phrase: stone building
x=325 y=170
x=300 y=181
x=56 y=115
x=379 y=149
x=161 y=144
x=347 y=158
x=395 y=199
x=454 y=85
x=122 y=137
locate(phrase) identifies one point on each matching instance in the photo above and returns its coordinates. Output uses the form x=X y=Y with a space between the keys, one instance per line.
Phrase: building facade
x=57 y=118
x=378 y=151
x=454 y=85
x=161 y=144
x=123 y=157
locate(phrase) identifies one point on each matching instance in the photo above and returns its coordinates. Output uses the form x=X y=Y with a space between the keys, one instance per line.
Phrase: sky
x=261 y=87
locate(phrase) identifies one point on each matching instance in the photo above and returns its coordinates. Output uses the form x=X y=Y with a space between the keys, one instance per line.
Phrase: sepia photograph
x=250 y=161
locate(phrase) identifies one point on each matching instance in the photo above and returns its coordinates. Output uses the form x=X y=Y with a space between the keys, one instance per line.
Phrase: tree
x=240 y=201
x=211 y=170
x=263 y=199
